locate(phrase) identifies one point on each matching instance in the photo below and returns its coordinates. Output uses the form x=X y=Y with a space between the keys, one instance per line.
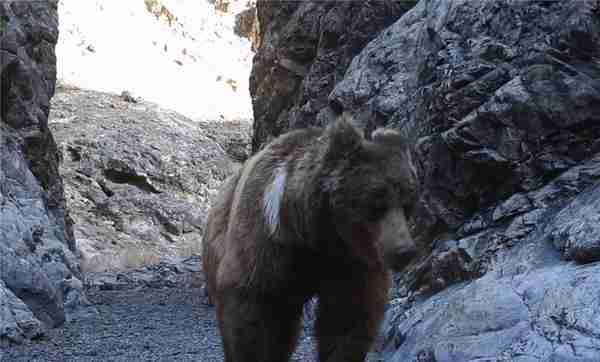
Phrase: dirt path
x=145 y=324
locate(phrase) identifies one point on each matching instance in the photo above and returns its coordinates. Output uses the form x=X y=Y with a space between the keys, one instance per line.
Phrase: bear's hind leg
x=259 y=331
x=349 y=315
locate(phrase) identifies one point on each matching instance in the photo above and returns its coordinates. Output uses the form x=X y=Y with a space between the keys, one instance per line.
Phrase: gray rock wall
x=36 y=240
x=501 y=100
x=305 y=48
x=499 y=96
x=138 y=178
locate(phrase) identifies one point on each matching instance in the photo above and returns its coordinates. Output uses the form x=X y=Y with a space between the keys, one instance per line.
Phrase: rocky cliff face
x=246 y=25
x=36 y=239
x=138 y=178
x=501 y=100
x=305 y=48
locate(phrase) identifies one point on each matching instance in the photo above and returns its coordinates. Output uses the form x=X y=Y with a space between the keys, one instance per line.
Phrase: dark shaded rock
x=518 y=203
x=36 y=238
x=426 y=355
x=305 y=48
x=450 y=265
x=482 y=236
x=450 y=262
x=495 y=107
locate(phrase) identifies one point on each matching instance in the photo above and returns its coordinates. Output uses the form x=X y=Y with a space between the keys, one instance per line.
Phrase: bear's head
x=371 y=188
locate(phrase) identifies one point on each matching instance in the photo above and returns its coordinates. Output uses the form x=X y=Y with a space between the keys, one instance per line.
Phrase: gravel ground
x=144 y=324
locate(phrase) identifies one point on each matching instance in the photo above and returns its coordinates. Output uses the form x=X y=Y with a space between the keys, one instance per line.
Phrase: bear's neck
x=298 y=177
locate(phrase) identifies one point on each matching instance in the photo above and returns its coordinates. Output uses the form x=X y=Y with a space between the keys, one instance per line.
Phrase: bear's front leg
x=349 y=314
x=258 y=329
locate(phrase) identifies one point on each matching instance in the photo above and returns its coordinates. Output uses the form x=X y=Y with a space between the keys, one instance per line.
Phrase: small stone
x=128 y=97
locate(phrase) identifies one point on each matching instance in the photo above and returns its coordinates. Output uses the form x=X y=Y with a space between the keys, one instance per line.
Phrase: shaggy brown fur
x=317 y=212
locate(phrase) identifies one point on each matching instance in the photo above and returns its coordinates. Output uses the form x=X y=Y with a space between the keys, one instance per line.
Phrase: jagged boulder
x=36 y=240
x=246 y=25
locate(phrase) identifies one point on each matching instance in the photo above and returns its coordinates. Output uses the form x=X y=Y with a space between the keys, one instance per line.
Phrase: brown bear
x=315 y=213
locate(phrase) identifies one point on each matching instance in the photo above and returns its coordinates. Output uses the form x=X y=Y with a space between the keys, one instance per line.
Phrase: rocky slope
x=36 y=240
x=181 y=54
x=138 y=178
x=501 y=100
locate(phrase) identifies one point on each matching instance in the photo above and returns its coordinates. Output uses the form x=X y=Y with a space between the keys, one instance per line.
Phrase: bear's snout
x=399 y=247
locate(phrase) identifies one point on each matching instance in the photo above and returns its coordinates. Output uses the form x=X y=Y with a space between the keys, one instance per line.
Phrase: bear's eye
x=408 y=210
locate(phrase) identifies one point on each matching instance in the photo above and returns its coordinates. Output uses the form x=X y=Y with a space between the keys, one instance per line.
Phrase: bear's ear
x=344 y=137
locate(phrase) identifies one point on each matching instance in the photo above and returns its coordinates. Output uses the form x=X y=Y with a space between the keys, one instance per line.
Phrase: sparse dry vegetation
x=160 y=11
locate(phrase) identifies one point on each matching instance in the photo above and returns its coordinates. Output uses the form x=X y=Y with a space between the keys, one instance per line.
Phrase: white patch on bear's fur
x=411 y=164
x=272 y=198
